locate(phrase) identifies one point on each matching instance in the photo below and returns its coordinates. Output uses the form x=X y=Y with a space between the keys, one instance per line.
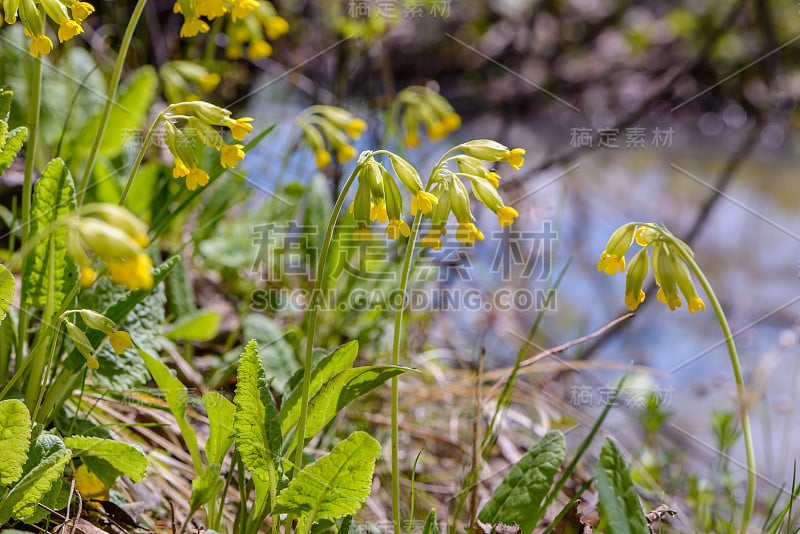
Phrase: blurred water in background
x=749 y=248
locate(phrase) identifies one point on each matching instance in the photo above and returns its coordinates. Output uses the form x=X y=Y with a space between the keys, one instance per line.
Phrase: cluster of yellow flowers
x=378 y=197
x=418 y=106
x=199 y=120
x=118 y=238
x=59 y=11
x=252 y=23
x=118 y=339
x=329 y=128
x=669 y=269
x=186 y=80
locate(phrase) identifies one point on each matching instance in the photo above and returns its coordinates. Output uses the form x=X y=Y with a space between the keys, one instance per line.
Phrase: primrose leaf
x=6 y=291
x=15 y=438
x=125 y=458
x=619 y=502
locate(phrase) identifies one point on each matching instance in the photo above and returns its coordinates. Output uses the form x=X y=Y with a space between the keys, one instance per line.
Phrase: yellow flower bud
x=645 y=235
x=322 y=158
x=107 y=241
x=275 y=27
x=612 y=259
x=637 y=272
x=82 y=343
x=459 y=201
x=345 y=153
x=685 y=284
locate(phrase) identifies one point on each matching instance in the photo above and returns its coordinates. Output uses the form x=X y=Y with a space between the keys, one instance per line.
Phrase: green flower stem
x=34 y=107
x=36 y=377
x=314 y=313
x=116 y=75
x=140 y=156
x=740 y=388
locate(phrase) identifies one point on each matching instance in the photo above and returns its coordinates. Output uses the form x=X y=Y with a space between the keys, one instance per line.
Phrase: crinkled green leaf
x=6 y=291
x=177 y=397
x=335 y=485
x=340 y=391
x=11 y=144
x=53 y=197
x=15 y=438
x=619 y=502
x=127 y=370
x=520 y=494
x=46 y=460
x=339 y=360
x=201 y=325
x=180 y=295
x=258 y=437
x=276 y=353
x=121 y=372
x=127 y=459
x=221 y=413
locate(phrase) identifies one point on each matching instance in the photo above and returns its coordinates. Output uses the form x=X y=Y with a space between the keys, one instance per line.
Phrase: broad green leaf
x=127 y=459
x=340 y=391
x=127 y=117
x=258 y=437
x=520 y=494
x=335 y=485
x=201 y=325
x=46 y=460
x=11 y=145
x=619 y=502
x=117 y=307
x=6 y=291
x=176 y=396
x=53 y=197
x=339 y=360
x=180 y=294
x=221 y=412
x=276 y=353
x=15 y=438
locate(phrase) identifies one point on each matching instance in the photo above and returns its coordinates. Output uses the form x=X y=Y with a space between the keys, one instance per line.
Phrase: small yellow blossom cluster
x=68 y=14
x=252 y=23
x=329 y=129
x=119 y=339
x=118 y=238
x=418 y=106
x=199 y=121
x=378 y=196
x=669 y=268
x=186 y=80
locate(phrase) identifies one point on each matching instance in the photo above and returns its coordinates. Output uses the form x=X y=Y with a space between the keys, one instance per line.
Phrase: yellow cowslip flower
x=81 y=11
x=673 y=301
x=396 y=227
x=452 y=121
x=239 y=127
x=665 y=272
x=423 y=201
x=493 y=178
x=120 y=340
x=259 y=49
x=685 y=284
x=411 y=139
x=322 y=158
x=644 y=235
x=275 y=26
x=506 y=215
x=437 y=130
x=467 y=233
x=433 y=239
x=68 y=29
x=377 y=212
x=231 y=155
x=345 y=153
x=612 y=259
x=134 y=273
x=180 y=169
x=192 y=27
x=211 y=9
x=40 y=44
x=233 y=51
x=196 y=177
x=242 y=8
x=355 y=128
x=209 y=81
x=515 y=158
x=82 y=343
x=87 y=276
